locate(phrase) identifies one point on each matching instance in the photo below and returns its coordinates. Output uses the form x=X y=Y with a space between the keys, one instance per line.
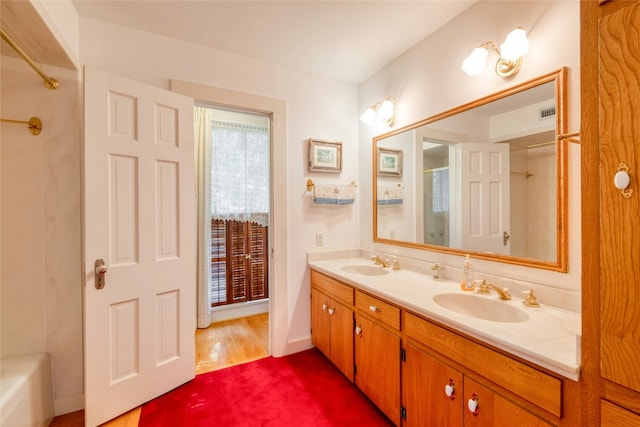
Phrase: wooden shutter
x=259 y=255
x=218 y=262
x=239 y=253
x=237 y=241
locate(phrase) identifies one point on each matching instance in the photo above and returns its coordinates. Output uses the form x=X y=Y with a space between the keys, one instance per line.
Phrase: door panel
x=485 y=196
x=139 y=217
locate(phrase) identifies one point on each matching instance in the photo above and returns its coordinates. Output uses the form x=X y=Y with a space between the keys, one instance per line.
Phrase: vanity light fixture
x=515 y=46
x=385 y=110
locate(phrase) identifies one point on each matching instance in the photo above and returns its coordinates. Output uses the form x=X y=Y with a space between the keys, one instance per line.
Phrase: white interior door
x=139 y=217
x=485 y=197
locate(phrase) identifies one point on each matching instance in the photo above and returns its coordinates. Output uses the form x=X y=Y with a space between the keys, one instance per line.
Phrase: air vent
x=546 y=113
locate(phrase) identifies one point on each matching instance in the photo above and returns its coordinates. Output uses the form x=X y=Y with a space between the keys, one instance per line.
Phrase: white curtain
x=240 y=172
x=440 y=188
x=202 y=134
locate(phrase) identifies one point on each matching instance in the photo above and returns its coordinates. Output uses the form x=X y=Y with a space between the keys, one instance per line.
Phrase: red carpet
x=303 y=389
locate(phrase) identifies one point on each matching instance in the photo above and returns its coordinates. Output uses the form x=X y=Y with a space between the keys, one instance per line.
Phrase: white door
x=485 y=197
x=139 y=217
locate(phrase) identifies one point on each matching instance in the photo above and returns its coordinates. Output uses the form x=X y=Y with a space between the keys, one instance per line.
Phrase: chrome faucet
x=485 y=288
x=379 y=261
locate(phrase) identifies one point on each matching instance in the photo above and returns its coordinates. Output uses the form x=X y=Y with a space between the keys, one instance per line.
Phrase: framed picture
x=325 y=156
x=389 y=162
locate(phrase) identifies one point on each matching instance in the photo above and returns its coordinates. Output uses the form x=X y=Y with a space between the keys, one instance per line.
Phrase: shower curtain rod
x=34 y=123
x=49 y=83
x=569 y=137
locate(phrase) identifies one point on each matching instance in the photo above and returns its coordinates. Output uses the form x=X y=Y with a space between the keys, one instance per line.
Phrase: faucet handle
x=530 y=299
x=483 y=288
x=436 y=268
x=396 y=265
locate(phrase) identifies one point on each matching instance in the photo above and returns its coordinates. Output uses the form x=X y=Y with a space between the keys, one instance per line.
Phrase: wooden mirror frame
x=560 y=264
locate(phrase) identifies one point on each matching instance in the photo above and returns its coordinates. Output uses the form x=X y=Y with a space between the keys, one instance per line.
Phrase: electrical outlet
x=392 y=234
x=319 y=239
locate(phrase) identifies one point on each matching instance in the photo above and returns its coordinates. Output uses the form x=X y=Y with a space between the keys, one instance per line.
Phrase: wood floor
x=221 y=345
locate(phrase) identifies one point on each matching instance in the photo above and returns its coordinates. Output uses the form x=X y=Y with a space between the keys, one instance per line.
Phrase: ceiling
x=343 y=40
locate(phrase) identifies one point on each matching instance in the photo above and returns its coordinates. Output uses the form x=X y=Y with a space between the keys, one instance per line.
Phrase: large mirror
x=487 y=178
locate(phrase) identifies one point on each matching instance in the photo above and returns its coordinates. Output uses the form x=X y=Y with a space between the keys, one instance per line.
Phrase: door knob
x=101 y=270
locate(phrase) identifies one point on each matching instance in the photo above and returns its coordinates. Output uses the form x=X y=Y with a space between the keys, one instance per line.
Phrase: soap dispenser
x=467 y=283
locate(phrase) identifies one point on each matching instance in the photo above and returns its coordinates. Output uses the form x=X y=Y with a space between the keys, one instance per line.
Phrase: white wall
x=427 y=80
x=41 y=302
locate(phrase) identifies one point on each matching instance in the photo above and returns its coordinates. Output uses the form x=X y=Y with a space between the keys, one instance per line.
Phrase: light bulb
x=386 y=110
x=368 y=116
x=474 y=64
x=515 y=45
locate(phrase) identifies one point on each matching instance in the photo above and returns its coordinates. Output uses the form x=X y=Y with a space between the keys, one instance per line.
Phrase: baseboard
x=241 y=310
x=299 y=345
x=69 y=404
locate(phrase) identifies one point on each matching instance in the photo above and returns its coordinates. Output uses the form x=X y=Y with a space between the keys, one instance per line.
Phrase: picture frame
x=389 y=162
x=325 y=156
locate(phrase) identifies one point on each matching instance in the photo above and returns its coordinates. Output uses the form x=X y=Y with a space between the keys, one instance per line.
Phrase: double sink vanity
x=488 y=179
x=428 y=353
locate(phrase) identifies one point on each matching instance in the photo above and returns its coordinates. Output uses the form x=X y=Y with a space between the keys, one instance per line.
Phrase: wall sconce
x=515 y=46
x=385 y=110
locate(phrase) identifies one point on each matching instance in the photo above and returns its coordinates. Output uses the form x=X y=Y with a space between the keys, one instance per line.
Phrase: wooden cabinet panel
x=523 y=380
x=423 y=391
x=494 y=410
x=342 y=338
x=619 y=83
x=332 y=326
x=377 y=355
x=614 y=416
x=320 y=327
x=378 y=310
x=330 y=286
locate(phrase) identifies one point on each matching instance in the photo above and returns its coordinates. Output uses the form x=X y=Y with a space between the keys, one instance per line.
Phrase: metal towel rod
x=34 y=123
x=49 y=83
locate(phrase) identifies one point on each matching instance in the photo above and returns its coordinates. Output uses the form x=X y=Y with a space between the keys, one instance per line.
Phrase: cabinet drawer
x=529 y=383
x=614 y=416
x=332 y=287
x=378 y=309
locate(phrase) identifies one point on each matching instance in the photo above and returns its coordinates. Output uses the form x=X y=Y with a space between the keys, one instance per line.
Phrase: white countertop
x=549 y=338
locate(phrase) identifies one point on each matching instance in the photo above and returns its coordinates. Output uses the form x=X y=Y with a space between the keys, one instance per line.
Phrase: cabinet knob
x=473 y=404
x=450 y=389
x=359 y=330
x=324 y=307
x=374 y=308
x=331 y=311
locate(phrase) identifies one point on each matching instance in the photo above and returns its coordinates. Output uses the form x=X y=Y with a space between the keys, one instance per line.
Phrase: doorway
x=276 y=109
x=234 y=169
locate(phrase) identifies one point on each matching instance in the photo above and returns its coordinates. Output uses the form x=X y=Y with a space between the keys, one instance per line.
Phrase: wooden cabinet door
x=614 y=416
x=423 y=391
x=320 y=326
x=341 y=319
x=332 y=331
x=377 y=354
x=493 y=410
x=619 y=135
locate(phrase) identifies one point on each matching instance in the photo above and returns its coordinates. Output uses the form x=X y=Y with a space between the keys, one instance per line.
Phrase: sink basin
x=365 y=270
x=481 y=307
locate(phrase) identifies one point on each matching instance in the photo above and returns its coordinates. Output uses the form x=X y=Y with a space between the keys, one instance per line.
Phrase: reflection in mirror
x=486 y=178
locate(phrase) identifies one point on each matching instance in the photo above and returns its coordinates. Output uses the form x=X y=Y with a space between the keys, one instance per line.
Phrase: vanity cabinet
x=610 y=140
x=425 y=381
x=493 y=410
x=332 y=321
x=377 y=353
x=459 y=360
x=406 y=363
